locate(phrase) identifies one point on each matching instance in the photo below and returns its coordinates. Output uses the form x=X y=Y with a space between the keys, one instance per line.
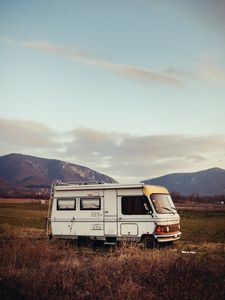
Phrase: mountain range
x=24 y=174
x=204 y=183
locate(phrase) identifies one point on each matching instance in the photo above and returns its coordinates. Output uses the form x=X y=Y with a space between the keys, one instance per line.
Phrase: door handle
x=119 y=218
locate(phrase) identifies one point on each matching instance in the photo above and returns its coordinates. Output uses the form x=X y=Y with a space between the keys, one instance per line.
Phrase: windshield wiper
x=174 y=208
x=166 y=208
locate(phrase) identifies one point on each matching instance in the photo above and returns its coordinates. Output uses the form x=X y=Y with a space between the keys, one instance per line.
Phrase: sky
x=131 y=89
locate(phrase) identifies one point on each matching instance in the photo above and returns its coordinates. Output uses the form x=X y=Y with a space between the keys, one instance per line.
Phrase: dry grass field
x=32 y=267
x=198 y=206
x=39 y=270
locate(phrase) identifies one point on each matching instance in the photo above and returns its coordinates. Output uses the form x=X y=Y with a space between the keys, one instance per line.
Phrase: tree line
x=194 y=197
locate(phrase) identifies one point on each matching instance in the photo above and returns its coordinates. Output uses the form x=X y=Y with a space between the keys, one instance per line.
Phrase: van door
x=133 y=214
x=110 y=212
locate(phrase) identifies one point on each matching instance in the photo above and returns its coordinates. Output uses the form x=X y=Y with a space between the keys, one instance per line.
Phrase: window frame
x=90 y=198
x=66 y=199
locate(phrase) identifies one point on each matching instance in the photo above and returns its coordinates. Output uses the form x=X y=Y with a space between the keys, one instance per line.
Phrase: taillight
x=158 y=229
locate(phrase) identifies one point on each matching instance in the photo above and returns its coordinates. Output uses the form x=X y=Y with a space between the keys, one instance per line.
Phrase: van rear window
x=66 y=204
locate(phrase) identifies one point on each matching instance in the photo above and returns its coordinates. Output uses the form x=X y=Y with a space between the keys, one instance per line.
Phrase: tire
x=50 y=237
x=85 y=241
x=150 y=242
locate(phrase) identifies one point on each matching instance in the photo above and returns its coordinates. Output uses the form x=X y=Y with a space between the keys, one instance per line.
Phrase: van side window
x=90 y=203
x=135 y=205
x=66 y=204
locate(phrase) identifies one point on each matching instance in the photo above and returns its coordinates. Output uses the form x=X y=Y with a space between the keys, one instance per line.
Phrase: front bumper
x=168 y=237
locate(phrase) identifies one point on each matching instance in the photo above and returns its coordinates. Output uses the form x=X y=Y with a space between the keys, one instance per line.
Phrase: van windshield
x=163 y=203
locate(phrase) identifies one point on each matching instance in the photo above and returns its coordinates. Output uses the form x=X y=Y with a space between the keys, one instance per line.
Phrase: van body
x=113 y=212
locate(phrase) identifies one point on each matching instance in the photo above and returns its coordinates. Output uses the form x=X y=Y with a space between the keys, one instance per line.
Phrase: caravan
x=113 y=212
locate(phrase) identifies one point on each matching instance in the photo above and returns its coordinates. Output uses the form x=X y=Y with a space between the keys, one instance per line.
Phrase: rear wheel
x=150 y=242
x=85 y=241
x=50 y=236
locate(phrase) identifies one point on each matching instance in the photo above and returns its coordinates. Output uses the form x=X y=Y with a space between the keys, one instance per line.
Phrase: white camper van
x=113 y=212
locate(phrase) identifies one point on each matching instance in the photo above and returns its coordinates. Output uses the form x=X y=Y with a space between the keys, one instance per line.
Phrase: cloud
x=7 y=40
x=212 y=72
x=169 y=76
x=125 y=157
x=210 y=12
x=207 y=71
x=84 y=56
x=18 y=135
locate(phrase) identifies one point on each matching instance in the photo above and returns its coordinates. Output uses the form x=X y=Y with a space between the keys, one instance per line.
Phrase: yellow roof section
x=154 y=189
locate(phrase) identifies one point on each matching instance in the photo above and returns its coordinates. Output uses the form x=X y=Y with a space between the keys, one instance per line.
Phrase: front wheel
x=150 y=242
